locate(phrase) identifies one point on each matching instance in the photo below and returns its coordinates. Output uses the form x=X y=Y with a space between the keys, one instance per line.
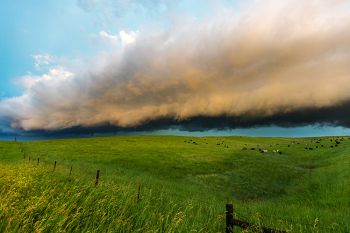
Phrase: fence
x=230 y=220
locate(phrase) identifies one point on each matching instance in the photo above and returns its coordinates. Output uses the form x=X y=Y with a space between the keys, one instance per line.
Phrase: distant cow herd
x=309 y=144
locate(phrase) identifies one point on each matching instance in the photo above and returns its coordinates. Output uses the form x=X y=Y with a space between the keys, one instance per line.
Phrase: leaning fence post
x=229 y=218
x=54 y=166
x=97 y=177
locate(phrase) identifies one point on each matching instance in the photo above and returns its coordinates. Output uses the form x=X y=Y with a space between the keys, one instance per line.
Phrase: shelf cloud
x=273 y=62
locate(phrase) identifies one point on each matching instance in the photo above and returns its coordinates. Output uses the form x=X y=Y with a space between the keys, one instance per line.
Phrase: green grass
x=185 y=184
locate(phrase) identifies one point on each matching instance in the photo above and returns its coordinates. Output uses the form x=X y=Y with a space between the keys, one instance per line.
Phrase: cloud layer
x=273 y=62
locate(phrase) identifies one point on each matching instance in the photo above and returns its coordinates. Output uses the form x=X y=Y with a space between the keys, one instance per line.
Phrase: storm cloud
x=271 y=62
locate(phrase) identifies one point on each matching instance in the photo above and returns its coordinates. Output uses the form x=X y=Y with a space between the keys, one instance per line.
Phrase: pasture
x=174 y=184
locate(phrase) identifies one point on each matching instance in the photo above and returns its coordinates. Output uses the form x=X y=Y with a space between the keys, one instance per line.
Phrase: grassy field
x=184 y=184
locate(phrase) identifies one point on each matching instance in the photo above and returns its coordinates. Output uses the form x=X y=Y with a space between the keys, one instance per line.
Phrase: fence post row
x=230 y=221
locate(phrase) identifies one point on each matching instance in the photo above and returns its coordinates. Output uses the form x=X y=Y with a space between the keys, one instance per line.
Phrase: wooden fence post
x=97 y=177
x=54 y=166
x=229 y=218
x=138 y=193
x=70 y=172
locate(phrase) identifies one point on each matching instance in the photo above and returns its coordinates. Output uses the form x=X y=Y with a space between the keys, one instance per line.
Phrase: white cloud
x=108 y=37
x=123 y=37
x=127 y=37
x=54 y=75
x=42 y=60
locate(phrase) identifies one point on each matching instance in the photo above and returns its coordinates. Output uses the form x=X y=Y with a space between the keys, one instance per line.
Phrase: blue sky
x=35 y=27
x=59 y=28
x=67 y=28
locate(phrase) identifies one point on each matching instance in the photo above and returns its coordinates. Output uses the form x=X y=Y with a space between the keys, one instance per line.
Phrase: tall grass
x=36 y=199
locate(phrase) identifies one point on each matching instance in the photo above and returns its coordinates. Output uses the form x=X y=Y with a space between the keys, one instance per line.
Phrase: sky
x=199 y=65
x=71 y=29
